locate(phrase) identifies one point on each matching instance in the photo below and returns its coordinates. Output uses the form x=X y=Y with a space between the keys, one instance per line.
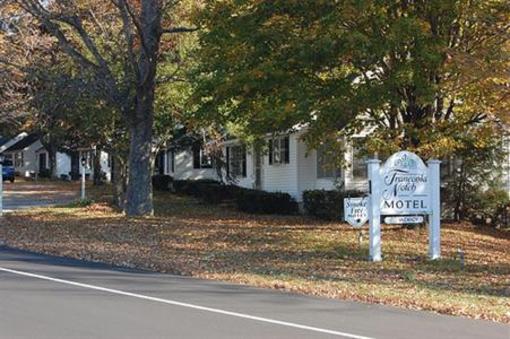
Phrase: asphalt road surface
x=49 y=297
x=22 y=195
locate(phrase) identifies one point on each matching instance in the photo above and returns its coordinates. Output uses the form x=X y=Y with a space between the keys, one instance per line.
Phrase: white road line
x=182 y=304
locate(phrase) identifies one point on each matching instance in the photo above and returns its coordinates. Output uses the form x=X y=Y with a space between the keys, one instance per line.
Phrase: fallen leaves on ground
x=296 y=254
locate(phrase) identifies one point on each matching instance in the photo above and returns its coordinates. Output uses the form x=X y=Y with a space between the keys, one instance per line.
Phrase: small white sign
x=416 y=219
x=356 y=211
x=405 y=186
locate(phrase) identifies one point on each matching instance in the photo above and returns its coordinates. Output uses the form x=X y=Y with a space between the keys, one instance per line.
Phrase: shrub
x=254 y=201
x=74 y=176
x=190 y=187
x=327 y=205
x=161 y=182
x=247 y=200
x=80 y=203
x=502 y=217
x=214 y=193
x=207 y=190
x=180 y=186
x=45 y=173
x=491 y=207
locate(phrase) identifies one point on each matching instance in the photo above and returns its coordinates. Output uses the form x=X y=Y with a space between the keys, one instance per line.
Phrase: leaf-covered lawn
x=289 y=253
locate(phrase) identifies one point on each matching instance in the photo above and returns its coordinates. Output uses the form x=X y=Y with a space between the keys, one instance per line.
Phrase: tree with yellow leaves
x=429 y=76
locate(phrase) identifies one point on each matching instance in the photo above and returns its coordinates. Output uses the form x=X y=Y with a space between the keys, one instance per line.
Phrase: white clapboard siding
x=249 y=180
x=283 y=177
x=63 y=164
x=299 y=175
x=30 y=160
x=184 y=168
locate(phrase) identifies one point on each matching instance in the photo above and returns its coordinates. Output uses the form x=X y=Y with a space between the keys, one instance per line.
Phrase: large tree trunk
x=98 y=179
x=119 y=180
x=52 y=156
x=139 y=190
x=51 y=148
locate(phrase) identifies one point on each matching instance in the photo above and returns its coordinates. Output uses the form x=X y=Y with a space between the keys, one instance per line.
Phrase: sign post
x=374 y=209
x=404 y=190
x=83 y=168
x=435 y=213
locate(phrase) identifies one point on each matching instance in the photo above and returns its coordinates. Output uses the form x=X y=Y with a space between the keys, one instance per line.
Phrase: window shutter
x=287 y=155
x=161 y=163
x=227 y=156
x=196 y=156
x=270 y=146
x=173 y=161
x=244 y=162
x=112 y=169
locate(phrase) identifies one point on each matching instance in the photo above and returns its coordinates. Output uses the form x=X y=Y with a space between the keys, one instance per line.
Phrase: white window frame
x=360 y=163
x=170 y=161
x=279 y=150
x=205 y=159
x=236 y=165
x=19 y=159
x=325 y=170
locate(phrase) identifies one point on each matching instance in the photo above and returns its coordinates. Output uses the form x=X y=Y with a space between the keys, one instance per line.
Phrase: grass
x=296 y=253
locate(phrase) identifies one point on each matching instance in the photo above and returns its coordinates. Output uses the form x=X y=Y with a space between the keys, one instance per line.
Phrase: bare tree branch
x=129 y=36
x=179 y=30
x=136 y=23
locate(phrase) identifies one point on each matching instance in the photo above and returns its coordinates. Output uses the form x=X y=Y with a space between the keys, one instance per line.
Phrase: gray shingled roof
x=23 y=143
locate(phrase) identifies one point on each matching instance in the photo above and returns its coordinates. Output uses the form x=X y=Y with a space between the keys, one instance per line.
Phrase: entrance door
x=42 y=163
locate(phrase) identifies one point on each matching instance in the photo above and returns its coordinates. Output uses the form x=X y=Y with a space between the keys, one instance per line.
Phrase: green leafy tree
x=419 y=75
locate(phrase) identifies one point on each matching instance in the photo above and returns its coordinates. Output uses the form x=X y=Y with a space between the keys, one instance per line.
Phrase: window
x=205 y=160
x=446 y=168
x=159 y=165
x=279 y=151
x=18 y=159
x=236 y=161
x=89 y=157
x=325 y=165
x=170 y=156
x=200 y=158
x=359 y=166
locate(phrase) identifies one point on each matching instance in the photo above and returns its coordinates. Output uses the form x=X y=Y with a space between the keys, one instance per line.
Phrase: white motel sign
x=405 y=190
x=404 y=185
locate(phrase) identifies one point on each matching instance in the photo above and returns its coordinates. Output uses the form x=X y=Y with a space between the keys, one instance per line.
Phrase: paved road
x=22 y=195
x=48 y=297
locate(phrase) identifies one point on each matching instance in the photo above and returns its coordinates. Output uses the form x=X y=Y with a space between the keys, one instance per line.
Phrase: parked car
x=8 y=171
